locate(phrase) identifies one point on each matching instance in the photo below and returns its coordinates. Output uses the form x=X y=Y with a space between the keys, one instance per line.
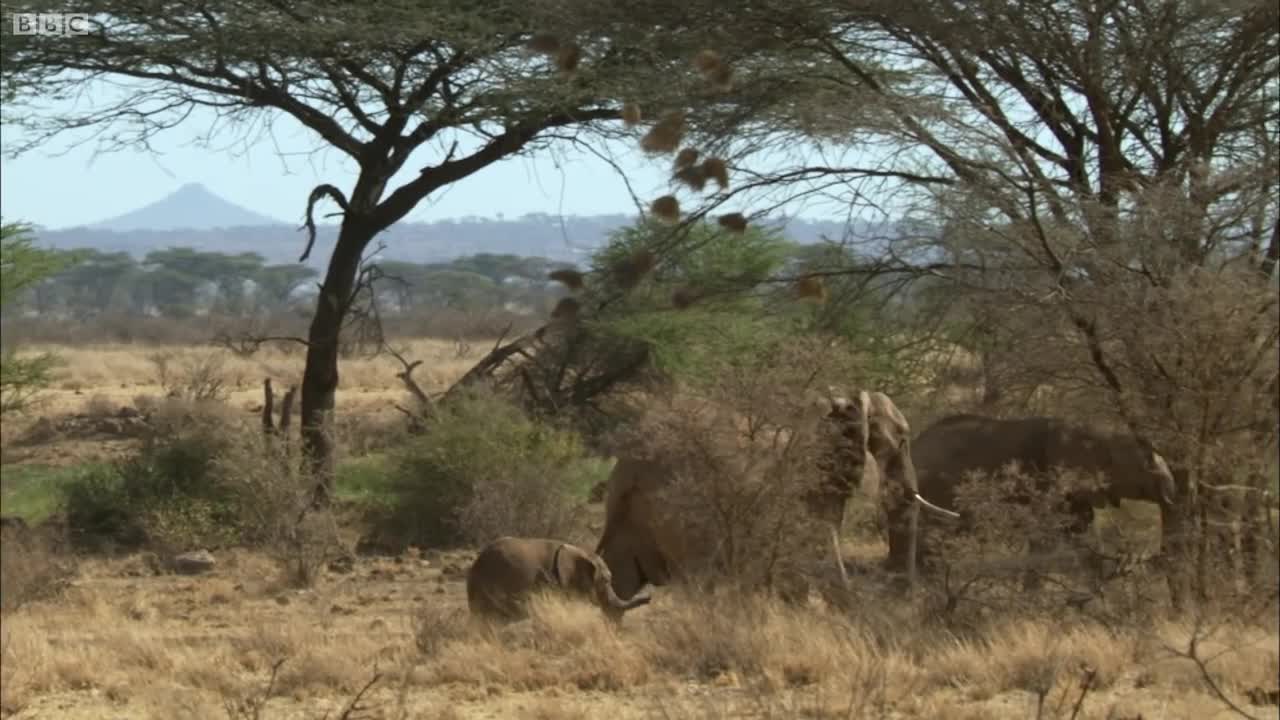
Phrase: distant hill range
x=194 y=217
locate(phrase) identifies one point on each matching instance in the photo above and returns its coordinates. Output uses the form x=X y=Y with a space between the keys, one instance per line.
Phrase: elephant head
x=586 y=573
x=509 y=568
x=873 y=449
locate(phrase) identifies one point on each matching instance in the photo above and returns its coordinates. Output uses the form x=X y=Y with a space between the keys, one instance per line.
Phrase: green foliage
x=33 y=492
x=483 y=469
x=732 y=319
x=22 y=266
x=166 y=493
x=197 y=482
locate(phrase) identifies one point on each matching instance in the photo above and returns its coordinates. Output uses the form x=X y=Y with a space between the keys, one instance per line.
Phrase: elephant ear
x=889 y=446
x=865 y=409
x=574 y=569
x=886 y=416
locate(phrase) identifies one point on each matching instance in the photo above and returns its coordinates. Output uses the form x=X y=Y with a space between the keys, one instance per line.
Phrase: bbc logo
x=57 y=24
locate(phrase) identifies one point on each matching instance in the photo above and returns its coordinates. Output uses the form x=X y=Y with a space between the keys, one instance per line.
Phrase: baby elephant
x=509 y=568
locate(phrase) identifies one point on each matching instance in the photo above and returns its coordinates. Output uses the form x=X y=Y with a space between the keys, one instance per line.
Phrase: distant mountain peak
x=191 y=207
x=192 y=187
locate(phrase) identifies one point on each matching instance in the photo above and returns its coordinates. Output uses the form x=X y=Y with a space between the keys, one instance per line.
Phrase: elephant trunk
x=615 y=606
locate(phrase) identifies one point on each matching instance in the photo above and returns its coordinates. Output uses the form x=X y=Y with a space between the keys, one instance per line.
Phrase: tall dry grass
x=109 y=366
x=155 y=645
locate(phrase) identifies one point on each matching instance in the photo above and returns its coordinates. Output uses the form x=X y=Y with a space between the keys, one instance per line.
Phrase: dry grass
x=120 y=641
x=99 y=380
x=116 y=373
x=154 y=646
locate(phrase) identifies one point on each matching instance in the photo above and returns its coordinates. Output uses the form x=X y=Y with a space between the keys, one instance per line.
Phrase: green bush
x=197 y=482
x=165 y=494
x=484 y=469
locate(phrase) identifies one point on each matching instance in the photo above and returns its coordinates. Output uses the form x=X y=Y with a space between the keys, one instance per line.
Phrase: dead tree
x=269 y=426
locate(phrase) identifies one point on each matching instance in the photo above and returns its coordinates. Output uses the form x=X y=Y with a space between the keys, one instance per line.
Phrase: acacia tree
x=23 y=265
x=452 y=83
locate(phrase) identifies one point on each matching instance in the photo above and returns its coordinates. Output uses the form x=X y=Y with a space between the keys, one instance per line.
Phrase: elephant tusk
x=941 y=511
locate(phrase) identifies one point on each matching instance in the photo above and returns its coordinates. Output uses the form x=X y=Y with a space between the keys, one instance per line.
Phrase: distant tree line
x=183 y=282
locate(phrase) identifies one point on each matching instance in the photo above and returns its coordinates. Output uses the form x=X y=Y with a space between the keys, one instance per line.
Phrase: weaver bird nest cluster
x=689 y=169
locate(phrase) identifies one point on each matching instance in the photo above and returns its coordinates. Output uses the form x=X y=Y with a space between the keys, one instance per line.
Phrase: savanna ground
x=121 y=639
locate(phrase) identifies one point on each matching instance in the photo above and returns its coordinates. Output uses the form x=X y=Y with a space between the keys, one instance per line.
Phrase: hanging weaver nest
x=684 y=296
x=693 y=176
x=568 y=57
x=713 y=69
x=811 y=287
x=629 y=272
x=566 y=309
x=571 y=279
x=665 y=135
x=686 y=158
x=543 y=44
x=631 y=115
x=666 y=208
x=733 y=222
x=715 y=169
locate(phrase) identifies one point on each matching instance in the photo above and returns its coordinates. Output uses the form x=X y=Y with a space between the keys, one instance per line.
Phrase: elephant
x=509 y=568
x=963 y=443
x=871 y=443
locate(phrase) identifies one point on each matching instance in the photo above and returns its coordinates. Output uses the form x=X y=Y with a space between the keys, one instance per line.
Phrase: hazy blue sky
x=60 y=188
x=76 y=188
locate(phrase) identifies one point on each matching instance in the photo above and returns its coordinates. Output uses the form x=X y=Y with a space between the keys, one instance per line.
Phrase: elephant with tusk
x=876 y=446
x=959 y=444
x=509 y=568
x=870 y=442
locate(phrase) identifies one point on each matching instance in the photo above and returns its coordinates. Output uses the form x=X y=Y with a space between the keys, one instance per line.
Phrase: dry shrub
x=1015 y=529
x=203 y=480
x=733 y=506
x=742 y=458
x=33 y=567
x=100 y=405
x=1185 y=354
x=196 y=376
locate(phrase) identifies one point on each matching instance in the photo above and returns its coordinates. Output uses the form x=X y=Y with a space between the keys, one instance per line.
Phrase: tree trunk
x=320 y=377
x=1175 y=549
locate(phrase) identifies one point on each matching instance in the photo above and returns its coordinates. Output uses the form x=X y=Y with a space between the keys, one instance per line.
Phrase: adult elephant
x=871 y=449
x=954 y=446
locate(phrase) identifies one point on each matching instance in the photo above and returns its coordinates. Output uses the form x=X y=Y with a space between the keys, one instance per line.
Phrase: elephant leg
x=652 y=567
x=899 y=532
x=622 y=564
